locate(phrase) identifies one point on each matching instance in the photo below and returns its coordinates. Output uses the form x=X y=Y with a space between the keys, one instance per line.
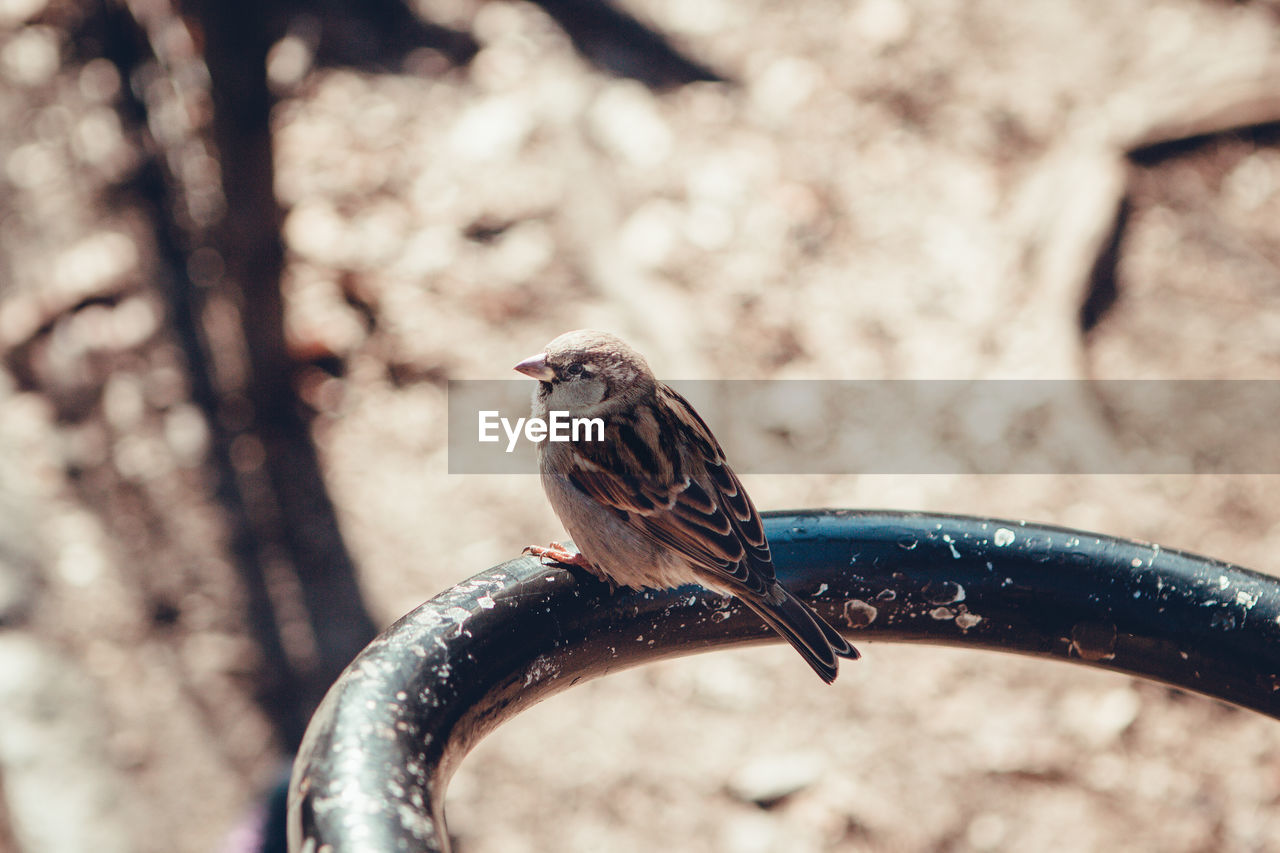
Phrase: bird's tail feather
x=815 y=639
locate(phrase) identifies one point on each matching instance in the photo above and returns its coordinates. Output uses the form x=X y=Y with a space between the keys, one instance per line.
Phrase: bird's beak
x=537 y=367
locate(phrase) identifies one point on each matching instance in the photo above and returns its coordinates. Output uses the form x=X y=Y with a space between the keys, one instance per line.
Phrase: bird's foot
x=559 y=554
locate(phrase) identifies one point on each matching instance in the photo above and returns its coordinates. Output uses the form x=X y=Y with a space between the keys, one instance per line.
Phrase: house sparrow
x=655 y=504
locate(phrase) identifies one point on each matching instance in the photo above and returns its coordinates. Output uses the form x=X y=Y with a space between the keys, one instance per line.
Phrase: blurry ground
x=891 y=190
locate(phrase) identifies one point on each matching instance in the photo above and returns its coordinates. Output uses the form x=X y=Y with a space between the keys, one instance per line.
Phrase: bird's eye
x=574 y=369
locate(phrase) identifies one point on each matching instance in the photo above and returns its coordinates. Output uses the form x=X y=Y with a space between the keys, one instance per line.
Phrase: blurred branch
x=380 y=35
x=1246 y=109
x=7 y=841
x=297 y=529
x=616 y=42
x=284 y=537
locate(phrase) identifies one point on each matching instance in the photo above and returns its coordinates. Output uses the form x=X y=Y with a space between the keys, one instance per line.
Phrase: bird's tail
x=812 y=636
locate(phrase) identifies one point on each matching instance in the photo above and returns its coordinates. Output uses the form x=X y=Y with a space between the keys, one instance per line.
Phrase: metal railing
x=372 y=771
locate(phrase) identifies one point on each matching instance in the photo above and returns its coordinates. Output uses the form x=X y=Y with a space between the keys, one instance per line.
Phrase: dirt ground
x=886 y=189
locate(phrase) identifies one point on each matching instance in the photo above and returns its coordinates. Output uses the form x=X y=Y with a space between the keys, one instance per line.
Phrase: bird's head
x=589 y=374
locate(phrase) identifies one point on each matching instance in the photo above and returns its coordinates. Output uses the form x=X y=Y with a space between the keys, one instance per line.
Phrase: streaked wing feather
x=658 y=492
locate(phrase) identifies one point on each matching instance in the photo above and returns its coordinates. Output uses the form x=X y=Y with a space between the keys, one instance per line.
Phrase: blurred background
x=243 y=246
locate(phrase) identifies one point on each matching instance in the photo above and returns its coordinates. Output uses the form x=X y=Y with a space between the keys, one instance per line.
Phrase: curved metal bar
x=373 y=768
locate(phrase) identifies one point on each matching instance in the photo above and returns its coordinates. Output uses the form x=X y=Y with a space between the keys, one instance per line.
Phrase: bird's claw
x=559 y=554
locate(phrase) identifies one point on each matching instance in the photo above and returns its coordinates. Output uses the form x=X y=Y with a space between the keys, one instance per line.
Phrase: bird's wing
x=678 y=491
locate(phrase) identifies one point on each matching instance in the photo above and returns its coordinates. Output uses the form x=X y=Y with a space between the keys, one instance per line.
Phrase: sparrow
x=654 y=504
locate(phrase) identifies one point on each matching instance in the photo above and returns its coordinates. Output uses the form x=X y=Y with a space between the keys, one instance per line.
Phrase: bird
x=653 y=503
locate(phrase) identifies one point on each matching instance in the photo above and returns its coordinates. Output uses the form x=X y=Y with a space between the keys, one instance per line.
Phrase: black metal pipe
x=376 y=759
